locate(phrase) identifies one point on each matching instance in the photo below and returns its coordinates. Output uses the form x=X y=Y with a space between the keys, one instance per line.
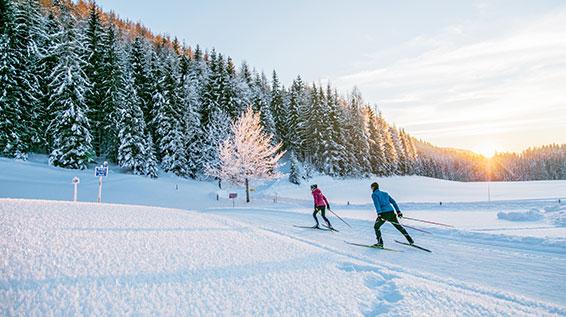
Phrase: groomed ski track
x=504 y=272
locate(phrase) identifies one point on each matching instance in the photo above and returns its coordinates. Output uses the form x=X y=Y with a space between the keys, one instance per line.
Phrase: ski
x=413 y=245
x=329 y=228
x=372 y=247
x=307 y=227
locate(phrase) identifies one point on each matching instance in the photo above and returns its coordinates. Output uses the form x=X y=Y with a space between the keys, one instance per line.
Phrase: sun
x=486 y=149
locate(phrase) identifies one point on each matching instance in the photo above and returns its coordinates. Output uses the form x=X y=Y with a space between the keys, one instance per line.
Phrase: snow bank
x=531 y=215
x=558 y=219
x=417 y=189
x=553 y=208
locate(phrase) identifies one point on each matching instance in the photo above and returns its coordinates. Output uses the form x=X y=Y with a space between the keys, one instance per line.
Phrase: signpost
x=76 y=182
x=101 y=171
x=233 y=196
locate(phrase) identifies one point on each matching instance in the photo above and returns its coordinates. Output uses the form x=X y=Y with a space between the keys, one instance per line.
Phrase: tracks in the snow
x=372 y=259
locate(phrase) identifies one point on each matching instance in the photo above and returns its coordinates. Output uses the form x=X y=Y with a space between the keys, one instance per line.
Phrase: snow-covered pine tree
x=389 y=150
x=312 y=129
x=333 y=150
x=402 y=162
x=408 y=148
x=211 y=90
x=279 y=110
x=21 y=33
x=156 y=82
x=260 y=101
x=114 y=66
x=30 y=25
x=358 y=140
x=141 y=75
x=168 y=120
x=12 y=126
x=217 y=130
x=377 y=159
x=193 y=131
x=72 y=139
x=295 y=106
x=93 y=68
x=241 y=89
x=295 y=170
x=151 y=168
x=248 y=154
x=46 y=65
x=131 y=130
x=228 y=98
x=414 y=154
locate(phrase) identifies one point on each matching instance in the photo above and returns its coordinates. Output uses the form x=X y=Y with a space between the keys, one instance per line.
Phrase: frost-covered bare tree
x=248 y=154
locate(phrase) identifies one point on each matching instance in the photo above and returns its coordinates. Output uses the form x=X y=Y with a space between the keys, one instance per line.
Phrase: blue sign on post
x=101 y=171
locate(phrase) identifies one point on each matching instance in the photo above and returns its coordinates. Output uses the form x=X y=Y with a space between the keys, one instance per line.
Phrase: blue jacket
x=383 y=202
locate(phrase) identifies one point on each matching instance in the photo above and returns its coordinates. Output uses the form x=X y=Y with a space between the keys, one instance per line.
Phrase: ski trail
x=277 y=224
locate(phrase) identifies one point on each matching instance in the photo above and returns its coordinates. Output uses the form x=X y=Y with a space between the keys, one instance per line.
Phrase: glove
x=399 y=214
x=328 y=206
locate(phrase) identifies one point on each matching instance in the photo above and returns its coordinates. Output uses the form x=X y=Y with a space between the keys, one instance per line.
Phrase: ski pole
x=410 y=227
x=431 y=222
x=339 y=217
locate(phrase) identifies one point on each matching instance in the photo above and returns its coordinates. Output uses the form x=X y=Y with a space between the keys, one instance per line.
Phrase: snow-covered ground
x=503 y=257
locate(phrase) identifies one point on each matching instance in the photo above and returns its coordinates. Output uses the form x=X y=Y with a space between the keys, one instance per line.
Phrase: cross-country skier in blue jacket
x=384 y=206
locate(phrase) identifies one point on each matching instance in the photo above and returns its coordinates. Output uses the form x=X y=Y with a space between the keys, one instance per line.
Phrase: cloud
x=503 y=84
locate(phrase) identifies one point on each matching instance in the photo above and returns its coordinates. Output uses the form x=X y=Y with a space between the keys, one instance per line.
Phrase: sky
x=480 y=75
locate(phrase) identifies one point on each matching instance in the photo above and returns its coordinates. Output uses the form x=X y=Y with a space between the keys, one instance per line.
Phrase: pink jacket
x=319 y=199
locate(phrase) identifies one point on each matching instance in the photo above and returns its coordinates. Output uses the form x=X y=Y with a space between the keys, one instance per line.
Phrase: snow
x=194 y=255
x=531 y=215
x=424 y=189
x=559 y=219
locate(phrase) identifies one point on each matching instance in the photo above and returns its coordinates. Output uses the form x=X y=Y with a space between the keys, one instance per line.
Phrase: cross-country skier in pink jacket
x=320 y=204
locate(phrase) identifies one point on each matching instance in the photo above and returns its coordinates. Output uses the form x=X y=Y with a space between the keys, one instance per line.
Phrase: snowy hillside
x=504 y=257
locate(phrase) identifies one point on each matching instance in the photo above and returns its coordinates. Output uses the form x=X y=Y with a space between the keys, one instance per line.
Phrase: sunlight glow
x=486 y=149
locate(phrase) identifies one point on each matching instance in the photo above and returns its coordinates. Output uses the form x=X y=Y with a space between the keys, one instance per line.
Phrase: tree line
x=547 y=162
x=82 y=85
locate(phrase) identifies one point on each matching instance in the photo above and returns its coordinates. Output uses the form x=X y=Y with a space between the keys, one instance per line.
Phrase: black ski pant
x=391 y=217
x=322 y=210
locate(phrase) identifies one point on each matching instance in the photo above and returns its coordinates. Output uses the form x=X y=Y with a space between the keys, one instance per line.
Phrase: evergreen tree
x=141 y=75
x=261 y=103
x=113 y=69
x=168 y=119
x=278 y=109
x=217 y=130
x=22 y=32
x=46 y=65
x=295 y=105
x=228 y=98
x=389 y=150
x=131 y=131
x=295 y=172
x=312 y=129
x=151 y=169
x=94 y=50
x=402 y=162
x=358 y=140
x=193 y=131
x=377 y=155
x=31 y=27
x=72 y=139
x=211 y=92
x=332 y=153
